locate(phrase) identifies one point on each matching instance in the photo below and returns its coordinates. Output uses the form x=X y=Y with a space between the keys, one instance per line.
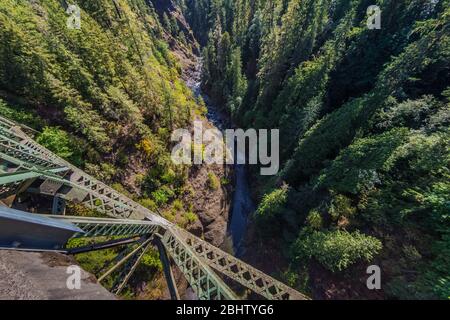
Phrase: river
x=242 y=204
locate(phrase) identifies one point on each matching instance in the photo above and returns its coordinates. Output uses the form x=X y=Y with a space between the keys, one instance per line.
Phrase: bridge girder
x=197 y=259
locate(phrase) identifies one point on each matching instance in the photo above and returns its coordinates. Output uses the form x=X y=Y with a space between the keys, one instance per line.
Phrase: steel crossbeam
x=6 y=131
x=239 y=271
x=98 y=227
x=200 y=276
x=129 y=269
x=23 y=175
x=101 y=200
x=198 y=260
x=18 y=151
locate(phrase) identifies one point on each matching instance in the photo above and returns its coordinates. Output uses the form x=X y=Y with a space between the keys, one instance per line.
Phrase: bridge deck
x=42 y=276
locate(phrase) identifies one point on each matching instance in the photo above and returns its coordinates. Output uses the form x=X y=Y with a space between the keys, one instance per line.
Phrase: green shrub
x=272 y=204
x=163 y=195
x=315 y=220
x=341 y=206
x=191 y=217
x=225 y=181
x=92 y=261
x=108 y=171
x=213 y=181
x=151 y=260
x=178 y=205
x=169 y=177
x=20 y=115
x=170 y=215
x=149 y=204
x=62 y=144
x=335 y=250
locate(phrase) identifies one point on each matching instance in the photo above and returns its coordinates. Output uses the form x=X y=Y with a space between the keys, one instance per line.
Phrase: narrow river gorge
x=242 y=205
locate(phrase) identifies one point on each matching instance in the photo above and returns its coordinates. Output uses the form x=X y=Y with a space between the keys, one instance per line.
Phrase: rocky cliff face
x=211 y=203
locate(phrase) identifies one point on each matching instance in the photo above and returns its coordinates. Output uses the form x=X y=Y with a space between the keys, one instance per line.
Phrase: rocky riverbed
x=237 y=205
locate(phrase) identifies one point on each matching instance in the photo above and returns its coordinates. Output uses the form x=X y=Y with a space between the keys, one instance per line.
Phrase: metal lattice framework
x=27 y=166
x=99 y=227
x=239 y=271
x=203 y=280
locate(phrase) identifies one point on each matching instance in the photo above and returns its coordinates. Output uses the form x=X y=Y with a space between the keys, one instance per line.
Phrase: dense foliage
x=105 y=96
x=336 y=250
x=364 y=120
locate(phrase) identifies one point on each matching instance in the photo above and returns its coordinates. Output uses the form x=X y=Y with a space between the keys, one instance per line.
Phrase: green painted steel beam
x=20 y=163
x=203 y=280
x=23 y=175
x=6 y=132
x=239 y=271
x=199 y=261
x=10 y=124
x=19 y=151
x=100 y=227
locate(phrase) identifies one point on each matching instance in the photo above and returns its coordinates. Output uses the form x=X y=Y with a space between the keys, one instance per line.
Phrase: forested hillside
x=107 y=96
x=364 y=118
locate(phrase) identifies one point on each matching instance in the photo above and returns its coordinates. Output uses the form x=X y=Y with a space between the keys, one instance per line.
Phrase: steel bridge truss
x=27 y=166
